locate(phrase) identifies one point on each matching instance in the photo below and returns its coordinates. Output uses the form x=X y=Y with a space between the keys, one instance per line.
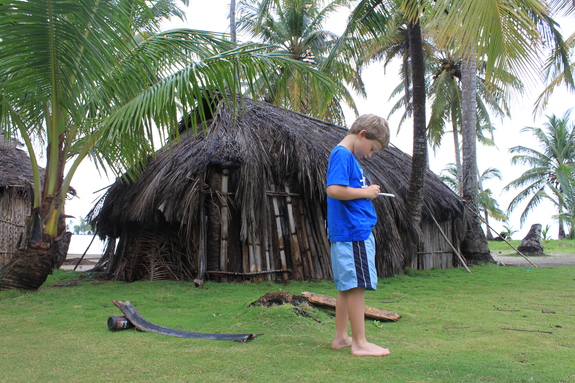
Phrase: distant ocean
x=79 y=243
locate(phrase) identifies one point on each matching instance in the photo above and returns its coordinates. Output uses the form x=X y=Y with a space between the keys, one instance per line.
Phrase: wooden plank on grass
x=370 y=312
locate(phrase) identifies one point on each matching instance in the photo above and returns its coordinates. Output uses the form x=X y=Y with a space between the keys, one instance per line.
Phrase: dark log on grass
x=370 y=312
x=143 y=325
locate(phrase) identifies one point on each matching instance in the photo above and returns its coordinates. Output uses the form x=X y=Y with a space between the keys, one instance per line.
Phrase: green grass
x=487 y=326
x=552 y=247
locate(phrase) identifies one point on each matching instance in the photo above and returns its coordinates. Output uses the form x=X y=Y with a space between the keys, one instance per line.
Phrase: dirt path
x=543 y=261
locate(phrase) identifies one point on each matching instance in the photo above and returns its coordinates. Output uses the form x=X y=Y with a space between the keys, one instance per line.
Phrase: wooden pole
x=296 y=254
x=83 y=255
x=306 y=245
x=280 y=237
x=224 y=214
x=202 y=256
x=453 y=247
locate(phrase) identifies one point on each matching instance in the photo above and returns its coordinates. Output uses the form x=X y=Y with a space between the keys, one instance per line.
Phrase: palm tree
x=568 y=202
x=446 y=102
x=95 y=79
x=378 y=21
x=551 y=168
x=82 y=227
x=505 y=33
x=487 y=205
x=558 y=70
x=509 y=35
x=296 y=28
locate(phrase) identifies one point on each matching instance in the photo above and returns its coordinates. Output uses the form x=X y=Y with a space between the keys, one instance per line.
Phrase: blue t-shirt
x=351 y=220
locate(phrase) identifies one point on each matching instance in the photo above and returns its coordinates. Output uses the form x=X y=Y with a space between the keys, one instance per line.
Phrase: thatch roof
x=270 y=146
x=15 y=167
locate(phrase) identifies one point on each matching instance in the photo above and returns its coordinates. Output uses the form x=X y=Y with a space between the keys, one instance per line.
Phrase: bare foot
x=369 y=349
x=338 y=344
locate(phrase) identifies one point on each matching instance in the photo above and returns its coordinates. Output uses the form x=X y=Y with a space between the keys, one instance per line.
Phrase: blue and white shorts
x=353 y=264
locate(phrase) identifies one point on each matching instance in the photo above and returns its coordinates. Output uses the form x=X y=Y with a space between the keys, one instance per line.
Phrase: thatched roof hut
x=16 y=190
x=246 y=200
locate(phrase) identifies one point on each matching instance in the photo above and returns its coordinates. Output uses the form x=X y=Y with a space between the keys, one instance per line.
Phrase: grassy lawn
x=488 y=326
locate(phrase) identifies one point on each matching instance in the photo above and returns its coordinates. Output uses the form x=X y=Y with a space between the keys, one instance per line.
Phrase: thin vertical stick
x=450 y=244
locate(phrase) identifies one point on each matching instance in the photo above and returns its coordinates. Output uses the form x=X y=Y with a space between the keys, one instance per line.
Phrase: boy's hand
x=346 y=193
x=371 y=191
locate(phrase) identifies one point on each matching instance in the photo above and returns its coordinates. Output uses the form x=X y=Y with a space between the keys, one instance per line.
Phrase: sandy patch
x=541 y=261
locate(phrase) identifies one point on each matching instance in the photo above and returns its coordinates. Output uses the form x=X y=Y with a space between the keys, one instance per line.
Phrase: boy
x=351 y=217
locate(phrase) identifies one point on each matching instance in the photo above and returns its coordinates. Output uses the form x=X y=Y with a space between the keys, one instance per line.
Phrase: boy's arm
x=346 y=193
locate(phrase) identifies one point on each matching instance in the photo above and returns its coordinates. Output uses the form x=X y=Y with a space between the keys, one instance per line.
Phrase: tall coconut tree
x=487 y=204
x=550 y=168
x=446 y=97
x=510 y=35
x=567 y=201
x=296 y=27
x=506 y=34
x=95 y=78
x=374 y=19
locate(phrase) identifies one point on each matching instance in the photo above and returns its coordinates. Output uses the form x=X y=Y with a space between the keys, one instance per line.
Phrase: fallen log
x=143 y=325
x=370 y=312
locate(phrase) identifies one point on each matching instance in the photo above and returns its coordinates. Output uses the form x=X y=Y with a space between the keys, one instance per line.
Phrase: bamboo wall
x=285 y=239
x=14 y=210
x=290 y=244
x=435 y=250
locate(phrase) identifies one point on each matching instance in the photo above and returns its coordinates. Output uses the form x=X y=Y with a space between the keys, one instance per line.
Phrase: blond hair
x=376 y=128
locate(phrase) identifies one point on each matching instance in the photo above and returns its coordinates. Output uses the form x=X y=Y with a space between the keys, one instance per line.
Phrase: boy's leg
x=341 y=339
x=356 y=312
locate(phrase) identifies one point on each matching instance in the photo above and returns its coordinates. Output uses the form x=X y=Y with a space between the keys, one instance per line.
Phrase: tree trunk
x=30 y=267
x=419 y=163
x=457 y=158
x=233 y=33
x=561 y=234
x=474 y=245
x=47 y=238
x=488 y=233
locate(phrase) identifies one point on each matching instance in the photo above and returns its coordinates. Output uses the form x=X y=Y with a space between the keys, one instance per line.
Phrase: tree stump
x=531 y=244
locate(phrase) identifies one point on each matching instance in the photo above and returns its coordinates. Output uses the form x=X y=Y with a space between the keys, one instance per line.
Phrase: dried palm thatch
x=246 y=200
x=16 y=182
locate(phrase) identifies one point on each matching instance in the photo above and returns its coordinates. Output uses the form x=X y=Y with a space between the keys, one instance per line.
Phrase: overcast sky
x=213 y=15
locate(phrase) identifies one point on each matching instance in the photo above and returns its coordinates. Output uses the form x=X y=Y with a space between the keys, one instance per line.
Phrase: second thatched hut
x=16 y=191
x=245 y=200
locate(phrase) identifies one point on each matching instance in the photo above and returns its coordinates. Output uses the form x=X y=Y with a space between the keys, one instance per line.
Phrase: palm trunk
x=233 y=33
x=488 y=233
x=419 y=163
x=474 y=245
x=561 y=234
x=48 y=241
x=457 y=157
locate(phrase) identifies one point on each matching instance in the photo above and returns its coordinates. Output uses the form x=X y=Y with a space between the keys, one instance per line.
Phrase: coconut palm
x=297 y=28
x=86 y=78
x=551 y=168
x=509 y=35
x=487 y=205
x=506 y=33
x=568 y=202
x=445 y=94
x=558 y=69
x=377 y=20
x=444 y=91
